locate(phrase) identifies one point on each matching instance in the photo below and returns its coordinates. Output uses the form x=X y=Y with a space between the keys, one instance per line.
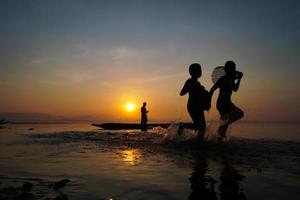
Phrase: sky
x=91 y=57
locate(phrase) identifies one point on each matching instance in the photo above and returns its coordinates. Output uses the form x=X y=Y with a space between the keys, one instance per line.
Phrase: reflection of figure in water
x=202 y=186
x=228 y=111
x=144 y=118
x=199 y=98
x=230 y=187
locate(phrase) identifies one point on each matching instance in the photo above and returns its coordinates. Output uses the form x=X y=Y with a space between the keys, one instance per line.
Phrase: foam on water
x=176 y=133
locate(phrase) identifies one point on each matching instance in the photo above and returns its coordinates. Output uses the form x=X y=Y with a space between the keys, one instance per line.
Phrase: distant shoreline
x=48 y=122
x=93 y=121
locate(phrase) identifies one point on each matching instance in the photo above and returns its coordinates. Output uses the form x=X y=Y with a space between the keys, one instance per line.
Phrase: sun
x=130 y=107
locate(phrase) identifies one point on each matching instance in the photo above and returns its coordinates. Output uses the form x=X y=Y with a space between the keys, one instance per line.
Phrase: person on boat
x=229 y=113
x=144 y=118
x=199 y=98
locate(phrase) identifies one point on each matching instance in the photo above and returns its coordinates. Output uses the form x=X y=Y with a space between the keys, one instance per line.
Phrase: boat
x=119 y=126
x=3 y=122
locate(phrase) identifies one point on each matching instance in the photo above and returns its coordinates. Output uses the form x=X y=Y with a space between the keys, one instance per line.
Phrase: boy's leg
x=224 y=117
x=223 y=130
x=199 y=122
x=194 y=118
x=235 y=115
x=201 y=125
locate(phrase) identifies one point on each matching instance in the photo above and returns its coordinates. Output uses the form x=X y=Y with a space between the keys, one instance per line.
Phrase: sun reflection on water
x=131 y=156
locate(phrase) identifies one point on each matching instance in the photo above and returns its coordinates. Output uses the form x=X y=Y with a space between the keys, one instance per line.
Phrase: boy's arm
x=184 y=90
x=214 y=87
x=237 y=84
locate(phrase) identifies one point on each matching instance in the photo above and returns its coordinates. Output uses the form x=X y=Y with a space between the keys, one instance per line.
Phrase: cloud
x=113 y=67
x=125 y=53
x=39 y=61
x=76 y=76
x=159 y=77
x=68 y=77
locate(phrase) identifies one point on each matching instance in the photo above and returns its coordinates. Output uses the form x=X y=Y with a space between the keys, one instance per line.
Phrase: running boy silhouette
x=230 y=82
x=199 y=98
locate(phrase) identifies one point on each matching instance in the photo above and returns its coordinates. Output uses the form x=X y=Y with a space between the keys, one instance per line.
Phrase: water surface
x=261 y=161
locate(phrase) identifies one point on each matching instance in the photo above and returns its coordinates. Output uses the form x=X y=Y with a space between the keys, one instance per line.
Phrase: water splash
x=212 y=131
x=176 y=133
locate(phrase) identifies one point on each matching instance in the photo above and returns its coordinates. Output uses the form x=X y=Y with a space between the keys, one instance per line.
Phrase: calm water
x=261 y=161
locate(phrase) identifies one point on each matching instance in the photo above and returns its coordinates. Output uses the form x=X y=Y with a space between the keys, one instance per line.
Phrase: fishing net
x=218 y=73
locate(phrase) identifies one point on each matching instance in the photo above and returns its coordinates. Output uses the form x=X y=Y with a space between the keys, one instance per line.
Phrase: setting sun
x=130 y=107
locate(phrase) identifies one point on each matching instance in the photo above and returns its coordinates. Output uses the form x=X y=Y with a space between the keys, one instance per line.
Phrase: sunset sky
x=92 y=57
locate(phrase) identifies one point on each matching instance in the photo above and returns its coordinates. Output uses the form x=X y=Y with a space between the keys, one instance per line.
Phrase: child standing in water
x=228 y=111
x=198 y=98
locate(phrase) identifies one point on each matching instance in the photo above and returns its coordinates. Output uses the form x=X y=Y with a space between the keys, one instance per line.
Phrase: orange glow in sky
x=117 y=58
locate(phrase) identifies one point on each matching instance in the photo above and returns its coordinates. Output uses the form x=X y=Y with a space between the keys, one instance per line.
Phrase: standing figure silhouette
x=229 y=82
x=199 y=99
x=144 y=118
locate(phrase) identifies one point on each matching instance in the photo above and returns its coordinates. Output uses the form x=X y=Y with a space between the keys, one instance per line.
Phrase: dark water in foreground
x=261 y=161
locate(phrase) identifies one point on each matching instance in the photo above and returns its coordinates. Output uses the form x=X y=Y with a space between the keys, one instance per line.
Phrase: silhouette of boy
x=197 y=101
x=144 y=118
x=228 y=111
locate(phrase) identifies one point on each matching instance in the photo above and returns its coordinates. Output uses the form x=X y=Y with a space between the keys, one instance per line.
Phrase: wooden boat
x=3 y=122
x=119 y=126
